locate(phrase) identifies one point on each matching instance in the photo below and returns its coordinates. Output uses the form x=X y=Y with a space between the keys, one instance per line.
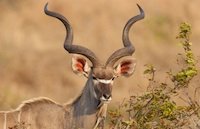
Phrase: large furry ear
x=126 y=67
x=80 y=66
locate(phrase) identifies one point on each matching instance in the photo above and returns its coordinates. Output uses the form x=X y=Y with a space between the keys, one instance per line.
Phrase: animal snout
x=106 y=96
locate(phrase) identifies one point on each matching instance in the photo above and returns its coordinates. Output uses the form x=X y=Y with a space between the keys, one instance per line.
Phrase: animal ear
x=125 y=67
x=80 y=65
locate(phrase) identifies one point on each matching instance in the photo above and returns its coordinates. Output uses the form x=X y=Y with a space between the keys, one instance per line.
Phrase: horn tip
x=138 y=5
x=141 y=10
x=45 y=7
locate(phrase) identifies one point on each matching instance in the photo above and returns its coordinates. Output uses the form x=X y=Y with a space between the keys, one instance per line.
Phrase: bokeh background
x=34 y=63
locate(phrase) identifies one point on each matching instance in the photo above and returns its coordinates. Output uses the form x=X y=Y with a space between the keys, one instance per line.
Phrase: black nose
x=106 y=96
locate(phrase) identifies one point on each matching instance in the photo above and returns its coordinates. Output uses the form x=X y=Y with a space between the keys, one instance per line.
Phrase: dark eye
x=113 y=78
x=94 y=78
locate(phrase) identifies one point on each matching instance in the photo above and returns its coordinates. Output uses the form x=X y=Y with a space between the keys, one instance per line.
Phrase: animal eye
x=113 y=78
x=94 y=78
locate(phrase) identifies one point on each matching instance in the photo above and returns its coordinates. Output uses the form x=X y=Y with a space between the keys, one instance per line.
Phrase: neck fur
x=87 y=103
x=85 y=106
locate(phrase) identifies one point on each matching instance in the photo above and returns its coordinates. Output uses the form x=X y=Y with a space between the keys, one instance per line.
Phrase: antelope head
x=102 y=75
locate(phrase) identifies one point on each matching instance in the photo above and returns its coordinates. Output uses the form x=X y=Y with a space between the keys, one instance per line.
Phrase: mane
x=36 y=101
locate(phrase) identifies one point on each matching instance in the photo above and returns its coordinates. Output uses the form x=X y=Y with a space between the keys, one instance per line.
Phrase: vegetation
x=156 y=109
x=21 y=125
x=27 y=41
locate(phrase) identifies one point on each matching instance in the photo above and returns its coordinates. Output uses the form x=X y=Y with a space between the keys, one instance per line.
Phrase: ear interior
x=80 y=65
x=125 y=67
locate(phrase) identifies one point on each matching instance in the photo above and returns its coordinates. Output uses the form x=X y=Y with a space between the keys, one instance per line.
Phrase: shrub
x=156 y=109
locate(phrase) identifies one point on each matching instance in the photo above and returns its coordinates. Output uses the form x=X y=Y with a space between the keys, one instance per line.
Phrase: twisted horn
x=75 y=49
x=128 y=49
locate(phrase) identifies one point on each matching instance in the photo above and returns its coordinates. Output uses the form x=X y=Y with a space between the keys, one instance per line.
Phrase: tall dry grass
x=33 y=62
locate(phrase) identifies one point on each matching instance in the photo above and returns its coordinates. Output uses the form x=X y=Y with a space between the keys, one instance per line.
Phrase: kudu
x=84 y=112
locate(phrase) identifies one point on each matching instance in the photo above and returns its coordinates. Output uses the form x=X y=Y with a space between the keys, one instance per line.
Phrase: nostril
x=106 y=96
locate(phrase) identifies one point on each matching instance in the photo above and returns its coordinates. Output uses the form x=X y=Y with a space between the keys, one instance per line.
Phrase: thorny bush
x=156 y=109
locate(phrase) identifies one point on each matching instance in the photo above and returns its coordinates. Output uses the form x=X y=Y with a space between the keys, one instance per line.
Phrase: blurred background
x=34 y=63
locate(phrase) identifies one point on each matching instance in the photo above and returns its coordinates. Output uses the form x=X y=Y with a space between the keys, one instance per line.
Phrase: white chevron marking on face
x=105 y=81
